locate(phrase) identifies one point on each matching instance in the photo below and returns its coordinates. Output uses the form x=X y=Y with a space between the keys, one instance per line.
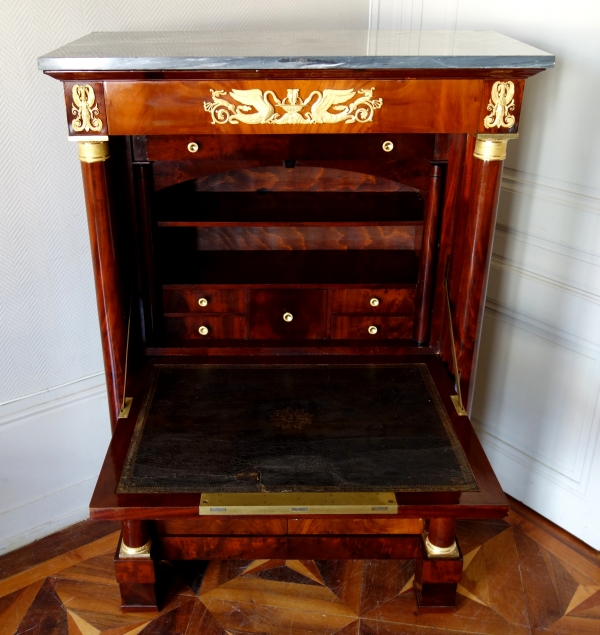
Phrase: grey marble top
x=293 y=50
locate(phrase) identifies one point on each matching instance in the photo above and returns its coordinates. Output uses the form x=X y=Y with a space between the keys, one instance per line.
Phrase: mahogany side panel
x=448 y=245
x=177 y=107
x=108 y=275
x=149 y=291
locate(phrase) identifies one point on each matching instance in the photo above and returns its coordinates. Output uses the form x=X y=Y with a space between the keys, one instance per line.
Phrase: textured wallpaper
x=49 y=331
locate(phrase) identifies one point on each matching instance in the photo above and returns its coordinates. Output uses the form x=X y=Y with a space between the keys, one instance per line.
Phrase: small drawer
x=373 y=301
x=183 y=327
x=184 y=299
x=356 y=327
x=287 y=314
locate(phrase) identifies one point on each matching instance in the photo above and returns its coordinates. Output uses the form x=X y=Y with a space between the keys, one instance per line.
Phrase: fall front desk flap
x=333 y=428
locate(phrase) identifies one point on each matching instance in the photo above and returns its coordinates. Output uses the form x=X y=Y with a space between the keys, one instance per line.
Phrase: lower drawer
x=220 y=526
x=206 y=327
x=346 y=526
x=362 y=327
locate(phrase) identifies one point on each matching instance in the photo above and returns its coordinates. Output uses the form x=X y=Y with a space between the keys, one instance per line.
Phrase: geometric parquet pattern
x=517 y=580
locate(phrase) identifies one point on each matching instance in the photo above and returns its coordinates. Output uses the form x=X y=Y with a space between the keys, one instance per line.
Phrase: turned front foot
x=135 y=568
x=439 y=568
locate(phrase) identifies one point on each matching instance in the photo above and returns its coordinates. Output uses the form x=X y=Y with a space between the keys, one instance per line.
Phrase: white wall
x=54 y=426
x=538 y=383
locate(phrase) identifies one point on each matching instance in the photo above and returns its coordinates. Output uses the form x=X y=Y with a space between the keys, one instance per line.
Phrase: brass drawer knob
x=193 y=146
x=288 y=317
x=387 y=146
x=202 y=301
x=203 y=330
x=372 y=330
x=374 y=302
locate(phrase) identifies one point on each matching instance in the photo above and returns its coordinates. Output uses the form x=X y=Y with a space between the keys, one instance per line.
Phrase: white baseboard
x=54 y=511
x=52 y=445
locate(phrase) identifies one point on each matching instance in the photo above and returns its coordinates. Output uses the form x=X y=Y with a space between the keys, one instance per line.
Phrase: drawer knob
x=387 y=146
x=374 y=302
x=193 y=146
x=202 y=301
x=372 y=330
x=203 y=330
x=288 y=317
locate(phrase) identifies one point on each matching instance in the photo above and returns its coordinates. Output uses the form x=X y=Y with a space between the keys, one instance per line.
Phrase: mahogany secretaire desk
x=291 y=236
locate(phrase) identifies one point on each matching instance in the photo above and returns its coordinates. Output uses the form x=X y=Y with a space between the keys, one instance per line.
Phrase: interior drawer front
x=362 y=300
x=347 y=526
x=356 y=327
x=267 y=309
x=218 y=327
x=187 y=299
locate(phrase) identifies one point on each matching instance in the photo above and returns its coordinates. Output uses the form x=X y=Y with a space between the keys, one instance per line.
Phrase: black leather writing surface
x=294 y=428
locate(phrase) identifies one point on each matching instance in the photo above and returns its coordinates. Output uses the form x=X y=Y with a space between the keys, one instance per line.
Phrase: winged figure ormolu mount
x=500 y=106
x=327 y=107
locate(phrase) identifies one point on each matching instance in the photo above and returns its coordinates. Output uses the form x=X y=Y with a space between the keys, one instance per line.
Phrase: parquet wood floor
x=517 y=580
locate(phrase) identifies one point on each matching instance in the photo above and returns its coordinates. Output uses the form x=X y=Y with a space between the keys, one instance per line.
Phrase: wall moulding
x=569 y=194
x=582 y=425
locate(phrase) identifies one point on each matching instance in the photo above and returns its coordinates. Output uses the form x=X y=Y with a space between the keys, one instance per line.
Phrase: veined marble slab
x=290 y=50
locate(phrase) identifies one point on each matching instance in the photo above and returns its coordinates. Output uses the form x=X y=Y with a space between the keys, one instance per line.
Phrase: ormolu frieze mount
x=500 y=106
x=327 y=107
x=85 y=109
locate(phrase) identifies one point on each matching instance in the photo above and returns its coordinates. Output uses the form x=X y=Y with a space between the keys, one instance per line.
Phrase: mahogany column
x=483 y=187
x=112 y=311
x=428 y=253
